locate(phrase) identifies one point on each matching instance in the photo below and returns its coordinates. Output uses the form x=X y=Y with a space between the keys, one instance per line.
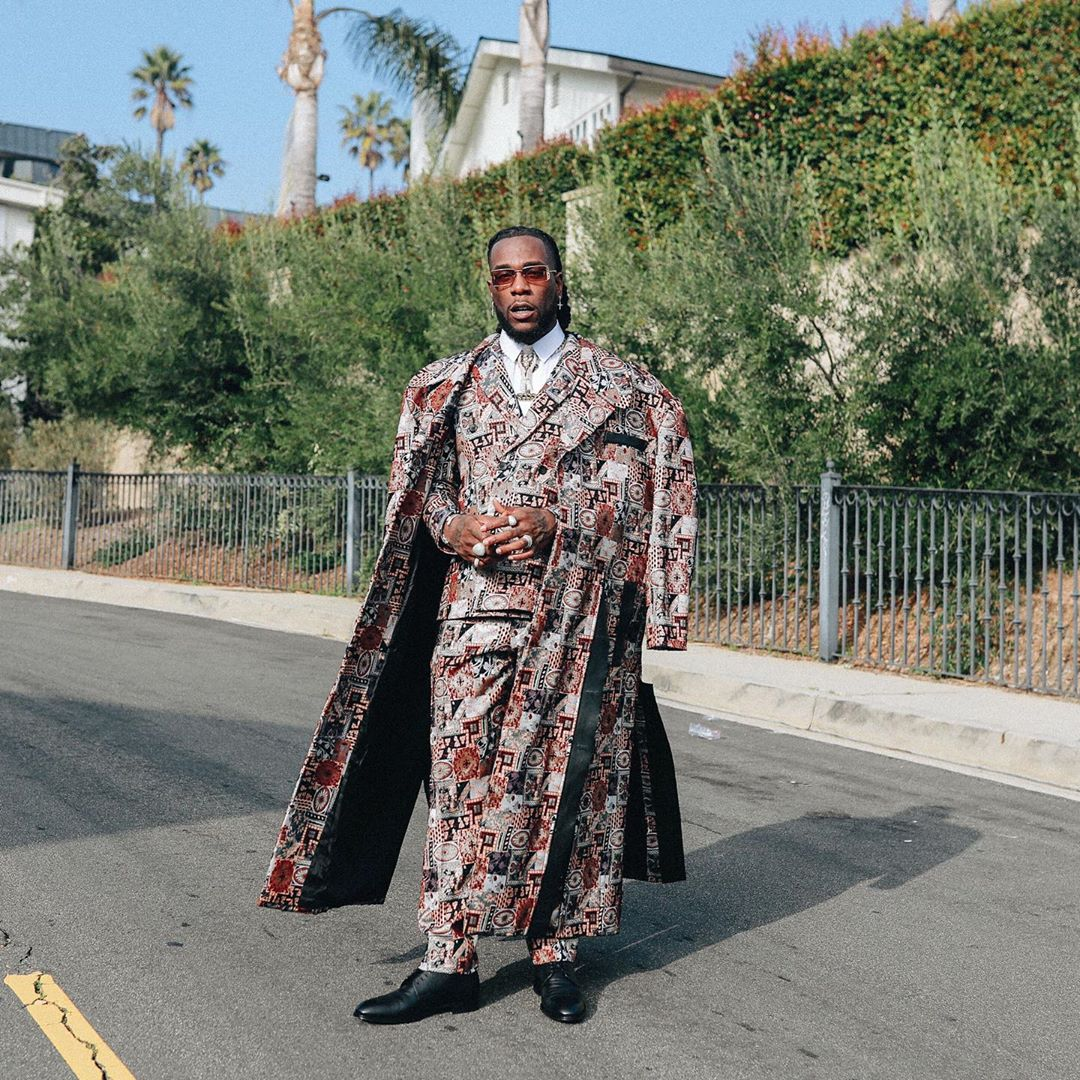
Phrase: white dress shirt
x=547 y=351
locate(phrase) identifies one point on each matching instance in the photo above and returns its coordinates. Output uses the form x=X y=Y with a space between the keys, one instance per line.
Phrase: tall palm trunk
x=424 y=126
x=162 y=117
x=941 y=10
x=302 y=68
x=533 y=46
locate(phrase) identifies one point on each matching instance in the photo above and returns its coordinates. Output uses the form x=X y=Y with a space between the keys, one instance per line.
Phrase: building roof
x=600 y=61
x=489 y=51
x=30 y=154
x=31 y=143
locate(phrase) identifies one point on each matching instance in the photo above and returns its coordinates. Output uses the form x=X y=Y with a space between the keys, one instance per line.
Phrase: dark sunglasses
x=534 y=274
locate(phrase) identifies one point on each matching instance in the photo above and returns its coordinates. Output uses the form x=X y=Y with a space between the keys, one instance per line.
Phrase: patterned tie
x=527 y=363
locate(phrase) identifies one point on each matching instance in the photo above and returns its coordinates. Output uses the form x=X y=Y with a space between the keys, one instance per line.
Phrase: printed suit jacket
x=582 y=794
x=487 y=420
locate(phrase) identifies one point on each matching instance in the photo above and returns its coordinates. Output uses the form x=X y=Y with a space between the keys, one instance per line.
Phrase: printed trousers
x=472 y=673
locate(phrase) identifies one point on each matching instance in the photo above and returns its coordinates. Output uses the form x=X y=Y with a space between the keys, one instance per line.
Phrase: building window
x=506 y=87
x=555 y=90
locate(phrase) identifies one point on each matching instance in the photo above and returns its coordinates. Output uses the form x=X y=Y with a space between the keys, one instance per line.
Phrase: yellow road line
x=67 y=1029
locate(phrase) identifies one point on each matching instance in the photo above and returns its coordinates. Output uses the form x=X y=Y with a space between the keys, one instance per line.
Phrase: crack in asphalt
x=698 y=825
x=39 y=989
x=6 y=938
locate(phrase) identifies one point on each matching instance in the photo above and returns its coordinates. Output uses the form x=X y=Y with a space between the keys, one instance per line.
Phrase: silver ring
x=479 y=549
x=511 y=520
x=528 y=541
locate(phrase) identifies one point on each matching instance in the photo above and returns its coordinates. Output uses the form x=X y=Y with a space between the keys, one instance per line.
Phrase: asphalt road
x=847 y=916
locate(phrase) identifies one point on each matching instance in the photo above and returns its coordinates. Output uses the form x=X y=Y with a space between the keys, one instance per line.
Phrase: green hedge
x=527 y=187
x=1009 y=71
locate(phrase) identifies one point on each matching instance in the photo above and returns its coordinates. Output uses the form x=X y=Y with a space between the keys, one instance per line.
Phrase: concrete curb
x=297 y=613
x=953 y=741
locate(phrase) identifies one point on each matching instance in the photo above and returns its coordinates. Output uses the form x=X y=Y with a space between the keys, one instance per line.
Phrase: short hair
x=537 y=234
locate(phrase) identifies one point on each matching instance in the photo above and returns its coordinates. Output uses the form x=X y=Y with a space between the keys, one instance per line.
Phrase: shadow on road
x=81 y=768
x=76 y=768
x=755 y=878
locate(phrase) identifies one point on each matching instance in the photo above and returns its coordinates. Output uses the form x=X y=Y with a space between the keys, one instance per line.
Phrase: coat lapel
x=437 y=412
x=576 y=400
x=494 y=384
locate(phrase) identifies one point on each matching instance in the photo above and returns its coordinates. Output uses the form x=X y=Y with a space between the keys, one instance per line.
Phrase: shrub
x=123 y=548
x=728 y=307
x=965 y=327
x=52 y=444
x=943 y=354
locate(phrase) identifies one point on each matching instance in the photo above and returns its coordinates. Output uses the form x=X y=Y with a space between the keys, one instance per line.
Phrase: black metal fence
x=981 y=585
x=974 y=584
x=756 y=572
x=312 y=533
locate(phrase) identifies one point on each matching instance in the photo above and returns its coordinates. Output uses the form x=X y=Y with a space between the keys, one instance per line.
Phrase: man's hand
x=494 y=531
x=463 y=531
x=531 y=524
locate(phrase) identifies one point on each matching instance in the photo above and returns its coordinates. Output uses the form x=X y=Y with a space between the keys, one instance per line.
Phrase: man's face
x=525 y=311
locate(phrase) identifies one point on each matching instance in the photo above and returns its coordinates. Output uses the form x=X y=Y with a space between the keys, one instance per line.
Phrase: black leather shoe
x=423 y=993
x=560 y=996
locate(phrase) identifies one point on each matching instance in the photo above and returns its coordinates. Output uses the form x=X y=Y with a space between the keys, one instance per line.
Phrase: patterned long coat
x=582 y=794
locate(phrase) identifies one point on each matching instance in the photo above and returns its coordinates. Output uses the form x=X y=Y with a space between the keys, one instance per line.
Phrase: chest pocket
x=624 y=438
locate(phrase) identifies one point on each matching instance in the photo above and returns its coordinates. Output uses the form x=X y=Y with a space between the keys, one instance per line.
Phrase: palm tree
x=420 y=59
x=415 y=56
x=163 y=78
x=202 y=162
x=533 y=47
x=367 y=129
x=401 y=145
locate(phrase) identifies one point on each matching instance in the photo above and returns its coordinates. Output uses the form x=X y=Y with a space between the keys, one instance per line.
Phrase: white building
x=18 y=201
x=585 y=92
x=29 y=162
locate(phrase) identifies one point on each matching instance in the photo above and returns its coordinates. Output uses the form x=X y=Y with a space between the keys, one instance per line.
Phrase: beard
x=548 y=318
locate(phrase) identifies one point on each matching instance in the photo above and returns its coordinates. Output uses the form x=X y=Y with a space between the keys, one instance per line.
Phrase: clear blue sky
x=66 y=63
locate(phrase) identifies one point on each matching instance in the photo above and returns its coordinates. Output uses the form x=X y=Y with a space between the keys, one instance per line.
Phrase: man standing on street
x=540 y=527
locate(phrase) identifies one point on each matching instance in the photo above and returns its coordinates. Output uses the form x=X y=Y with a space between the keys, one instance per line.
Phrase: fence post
x=352 y=533
x=71 y=515
x=829 y=578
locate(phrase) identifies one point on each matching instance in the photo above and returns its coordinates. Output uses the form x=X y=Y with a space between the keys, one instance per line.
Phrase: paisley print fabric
x=552 y=950
x=458 y=955
x=450 y=954
x=472 y=675
x=581 y=790
x=470 y=475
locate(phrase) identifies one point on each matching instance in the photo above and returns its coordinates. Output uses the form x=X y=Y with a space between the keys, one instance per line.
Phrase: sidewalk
x=1023 y=735
x=1031 y=736
x=297 y=613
